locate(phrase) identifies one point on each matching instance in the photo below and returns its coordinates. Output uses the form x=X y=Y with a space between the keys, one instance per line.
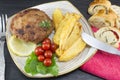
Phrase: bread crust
x=103 y=19
x=116 y=9
x=97 y=5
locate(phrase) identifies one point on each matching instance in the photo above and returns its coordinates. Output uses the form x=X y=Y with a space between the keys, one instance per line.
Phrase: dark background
x=11 y=7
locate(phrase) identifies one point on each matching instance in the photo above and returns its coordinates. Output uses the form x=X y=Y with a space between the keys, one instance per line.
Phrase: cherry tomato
x=46 y=46
x=53 y=47
x=39 y=50
x=47 y=40
x=48 y=54
x=41 y=58
x=47 y=62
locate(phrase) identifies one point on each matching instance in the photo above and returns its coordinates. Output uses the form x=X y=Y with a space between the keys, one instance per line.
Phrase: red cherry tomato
x=48 y=54
x=41 y=58
x=47 y=62
x=53 y=47
x=39 y=50
x=46 y=40
x=46 y=46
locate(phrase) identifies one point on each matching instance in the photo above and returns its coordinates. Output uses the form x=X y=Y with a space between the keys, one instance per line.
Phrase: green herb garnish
x=33 y=66
x=45 y=24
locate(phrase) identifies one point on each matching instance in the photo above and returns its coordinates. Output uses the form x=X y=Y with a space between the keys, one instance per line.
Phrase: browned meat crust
x=26 y=25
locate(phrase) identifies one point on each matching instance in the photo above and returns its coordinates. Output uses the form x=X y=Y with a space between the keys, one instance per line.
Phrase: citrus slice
x=20 y=47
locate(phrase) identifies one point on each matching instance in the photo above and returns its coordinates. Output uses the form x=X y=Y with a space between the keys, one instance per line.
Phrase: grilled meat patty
x=31 y=25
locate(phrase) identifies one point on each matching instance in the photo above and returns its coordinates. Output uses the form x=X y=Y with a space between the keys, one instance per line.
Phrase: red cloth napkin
x=104 y=65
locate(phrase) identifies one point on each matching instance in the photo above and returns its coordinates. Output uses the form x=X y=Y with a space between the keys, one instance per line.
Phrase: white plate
x=64 y=67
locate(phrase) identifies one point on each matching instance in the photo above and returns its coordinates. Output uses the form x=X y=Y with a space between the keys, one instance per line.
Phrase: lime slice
x=20 y=47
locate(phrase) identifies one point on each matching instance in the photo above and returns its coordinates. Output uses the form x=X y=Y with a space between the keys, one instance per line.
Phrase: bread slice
x=97 y=5
x=116 y=9
x=110 y=35
x=103 y=19
x=118 y=23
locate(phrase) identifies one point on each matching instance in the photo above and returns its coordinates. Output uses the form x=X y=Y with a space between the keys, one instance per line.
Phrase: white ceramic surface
x=64 y=67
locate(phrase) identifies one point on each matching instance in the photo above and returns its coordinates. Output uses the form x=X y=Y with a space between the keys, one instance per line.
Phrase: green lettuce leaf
x=53 y=69
x=31 y=63
x=33 y=66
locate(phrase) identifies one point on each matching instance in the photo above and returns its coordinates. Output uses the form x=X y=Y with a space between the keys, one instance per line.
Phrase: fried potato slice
x=73 y=51
x=58 y=53
x=67 y=30
x=75 y=34
x=57 y=17
x=77 y=16
x=65 y=21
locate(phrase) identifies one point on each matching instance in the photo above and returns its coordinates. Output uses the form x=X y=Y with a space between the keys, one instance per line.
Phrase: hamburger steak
x=31 y=25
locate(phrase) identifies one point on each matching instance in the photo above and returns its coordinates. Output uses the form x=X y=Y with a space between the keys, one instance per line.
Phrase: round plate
x=64 y=67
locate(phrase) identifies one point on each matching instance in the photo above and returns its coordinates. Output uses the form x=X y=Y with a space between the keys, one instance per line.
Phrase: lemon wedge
x=20 y=47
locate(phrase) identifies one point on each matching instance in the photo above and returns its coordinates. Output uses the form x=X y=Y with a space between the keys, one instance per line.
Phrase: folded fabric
x=104 y=65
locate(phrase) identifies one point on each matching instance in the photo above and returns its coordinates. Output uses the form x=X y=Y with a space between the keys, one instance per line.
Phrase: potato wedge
x=58 y=53
x=56 y=37
x=57 y=17
x=77 y=16
x=75 y=34
x=73 y=51
x=67 y=30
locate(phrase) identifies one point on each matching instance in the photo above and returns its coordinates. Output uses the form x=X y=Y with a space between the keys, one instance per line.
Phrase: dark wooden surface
x=13 y=6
